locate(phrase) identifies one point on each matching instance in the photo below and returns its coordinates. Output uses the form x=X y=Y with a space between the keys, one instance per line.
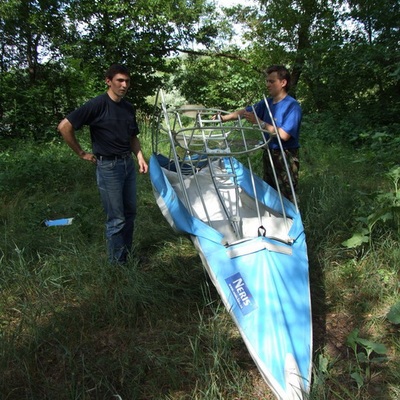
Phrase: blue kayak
x=252 y=244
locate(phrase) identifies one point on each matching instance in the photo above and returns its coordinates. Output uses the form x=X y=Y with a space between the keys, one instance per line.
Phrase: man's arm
x=137 y=150
x=232 y=116
x=249 y=115
x=270 y=129
x=68 y=133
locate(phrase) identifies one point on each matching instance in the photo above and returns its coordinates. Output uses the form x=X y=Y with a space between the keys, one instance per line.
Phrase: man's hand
x=68 y=133
x=216 y=117
x=88 y=157
x=143 y=167
x=250 y=117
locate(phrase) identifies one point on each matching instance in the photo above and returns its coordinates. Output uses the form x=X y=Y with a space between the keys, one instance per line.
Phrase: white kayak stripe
x=253 y=247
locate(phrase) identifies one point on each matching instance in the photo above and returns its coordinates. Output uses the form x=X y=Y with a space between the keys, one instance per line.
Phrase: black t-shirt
x=112 y=124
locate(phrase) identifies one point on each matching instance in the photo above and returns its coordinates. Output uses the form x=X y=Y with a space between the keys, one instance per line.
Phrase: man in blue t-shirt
x=287 y=115
x=113 y=132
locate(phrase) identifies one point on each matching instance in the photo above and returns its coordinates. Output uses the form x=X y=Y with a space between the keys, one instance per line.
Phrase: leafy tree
x=27 y=28
x=217 y=82
x=26 y=32
x=142 y=35
x=343 y=56
x=59 y=51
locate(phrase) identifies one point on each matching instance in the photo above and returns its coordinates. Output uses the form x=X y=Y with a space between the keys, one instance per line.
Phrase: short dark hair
x=283 y=73
x=116 y=69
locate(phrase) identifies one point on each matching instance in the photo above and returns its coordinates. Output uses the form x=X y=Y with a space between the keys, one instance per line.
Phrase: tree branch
x=218 y=54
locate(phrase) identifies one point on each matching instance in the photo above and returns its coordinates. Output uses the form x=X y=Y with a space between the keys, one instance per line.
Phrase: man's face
x=118 y=86
x=275 y=86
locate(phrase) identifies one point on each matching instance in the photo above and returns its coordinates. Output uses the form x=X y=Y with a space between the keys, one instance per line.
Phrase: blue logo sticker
x=241 y=293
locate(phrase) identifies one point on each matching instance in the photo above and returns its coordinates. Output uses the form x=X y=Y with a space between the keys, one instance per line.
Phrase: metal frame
x=208 y=138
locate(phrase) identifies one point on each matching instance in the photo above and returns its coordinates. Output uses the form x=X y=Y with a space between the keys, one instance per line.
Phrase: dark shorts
x=292 y=158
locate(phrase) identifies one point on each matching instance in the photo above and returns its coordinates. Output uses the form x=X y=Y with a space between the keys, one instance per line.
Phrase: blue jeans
x=116 y=180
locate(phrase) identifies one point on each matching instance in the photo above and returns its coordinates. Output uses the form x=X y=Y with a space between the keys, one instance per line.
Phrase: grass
x=74 y=328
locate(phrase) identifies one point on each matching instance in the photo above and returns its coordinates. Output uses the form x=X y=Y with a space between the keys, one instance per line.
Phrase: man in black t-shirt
x=113 y=131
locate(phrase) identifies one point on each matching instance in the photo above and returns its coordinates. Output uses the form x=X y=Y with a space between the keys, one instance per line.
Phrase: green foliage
x=73 y=328
x=83 y=329
x=157 y=328
x=325 y=383
x=365 y=357
x=350 y=287
x=372 y=95
x=54 y=54
x=40 y=167
x=384 y=210
x=394 y=314
x=215 y=82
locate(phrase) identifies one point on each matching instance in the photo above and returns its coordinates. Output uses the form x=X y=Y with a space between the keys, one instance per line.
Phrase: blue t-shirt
x=112 y=124
x=287 y=115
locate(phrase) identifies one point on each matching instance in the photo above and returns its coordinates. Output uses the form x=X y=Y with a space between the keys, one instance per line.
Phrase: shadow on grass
x=342 y=298
x=144 y=331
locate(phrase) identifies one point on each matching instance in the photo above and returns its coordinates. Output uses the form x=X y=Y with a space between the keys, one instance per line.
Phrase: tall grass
x=73 y=327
